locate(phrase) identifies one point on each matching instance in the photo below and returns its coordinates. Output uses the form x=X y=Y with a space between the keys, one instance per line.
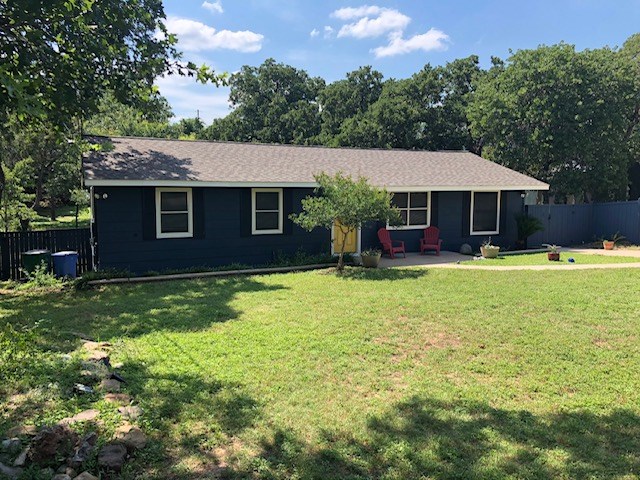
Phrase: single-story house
x=170 y=204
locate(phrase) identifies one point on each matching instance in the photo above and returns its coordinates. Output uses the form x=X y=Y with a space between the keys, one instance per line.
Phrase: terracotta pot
x=553 y=256
x=370 y=261
x=490 y=252
x=608 y=244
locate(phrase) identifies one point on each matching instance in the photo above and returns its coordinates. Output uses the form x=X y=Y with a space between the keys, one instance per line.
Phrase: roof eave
x=197 y=183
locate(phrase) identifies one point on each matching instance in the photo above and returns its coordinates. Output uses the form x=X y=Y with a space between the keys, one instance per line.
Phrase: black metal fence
x=574 y=224
x=12 y=244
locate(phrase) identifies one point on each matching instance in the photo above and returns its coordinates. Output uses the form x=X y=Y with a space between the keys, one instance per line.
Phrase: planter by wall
x=608 y=244
x=490 y=252
x=553 y=256
x=370 y=261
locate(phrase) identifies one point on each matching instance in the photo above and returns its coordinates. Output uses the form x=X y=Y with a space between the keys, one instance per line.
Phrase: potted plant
x=526 y=226
x=371 y=258
x=489 y=250
x=554 y=253
x=611 y=244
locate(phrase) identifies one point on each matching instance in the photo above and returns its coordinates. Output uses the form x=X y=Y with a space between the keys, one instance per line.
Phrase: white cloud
x=213 y=7
x=195 y=36
x=349 y=13
x=328 y=31
x=432 y=40
x=314 y=33
x=370 y=21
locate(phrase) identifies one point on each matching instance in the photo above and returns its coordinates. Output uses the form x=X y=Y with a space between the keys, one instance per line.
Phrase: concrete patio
x=450 y=260
x=430 y=259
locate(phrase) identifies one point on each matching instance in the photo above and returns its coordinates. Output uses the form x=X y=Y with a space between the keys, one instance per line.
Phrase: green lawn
x=66 y=218
x=541 y=259
x=394 y=374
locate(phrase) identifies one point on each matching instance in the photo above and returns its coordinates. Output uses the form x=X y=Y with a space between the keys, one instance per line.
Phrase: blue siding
x=122 y=243
x=452 y=218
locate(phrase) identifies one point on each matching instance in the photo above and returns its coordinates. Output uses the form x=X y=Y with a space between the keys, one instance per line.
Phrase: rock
x=79 y=387
x=11 y=444
x=85 y=416
x=110 y=385
x=22 y=431
x=54 y=441
x=112 y=456
x=83 y=450
x=67 y=470
x=91 y=346
x=131 y=436
x=9 y=472
x=85 y=476
x=131 y=412
x=21 y=460
x=98 y=356
x=47 y=472
x=118 y=398
x=61 y=476
x=465 y=249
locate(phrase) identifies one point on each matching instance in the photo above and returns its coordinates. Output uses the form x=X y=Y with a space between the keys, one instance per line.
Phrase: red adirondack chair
x=431 y=240
x=388 y=245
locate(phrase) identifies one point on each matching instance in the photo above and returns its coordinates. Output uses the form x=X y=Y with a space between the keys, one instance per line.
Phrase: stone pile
x=59 y=445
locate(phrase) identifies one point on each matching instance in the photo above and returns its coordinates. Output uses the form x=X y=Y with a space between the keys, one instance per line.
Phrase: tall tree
x=60 y=56
x=561 y=116
x=348 y=98
x=273 y=103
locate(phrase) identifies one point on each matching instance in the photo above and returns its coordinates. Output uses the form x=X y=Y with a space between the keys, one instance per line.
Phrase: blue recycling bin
x=65 y=264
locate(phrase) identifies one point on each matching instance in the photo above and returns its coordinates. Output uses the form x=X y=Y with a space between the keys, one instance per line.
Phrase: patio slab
x=427 y=260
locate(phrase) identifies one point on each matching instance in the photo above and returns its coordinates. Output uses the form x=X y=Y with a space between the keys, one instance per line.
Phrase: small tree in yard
x=351 y=203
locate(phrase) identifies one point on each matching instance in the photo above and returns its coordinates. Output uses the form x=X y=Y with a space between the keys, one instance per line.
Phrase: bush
x=41 y=277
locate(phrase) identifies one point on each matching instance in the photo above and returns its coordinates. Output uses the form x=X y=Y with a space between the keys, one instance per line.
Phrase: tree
x=351 y=203
x=43 y=161
x=347 y=99
x=15 y=213
x=59 y=57
x=560 y=116
x=274 y=103
x=113 y=118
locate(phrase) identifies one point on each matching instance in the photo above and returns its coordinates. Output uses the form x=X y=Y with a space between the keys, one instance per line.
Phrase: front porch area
x=415 y=259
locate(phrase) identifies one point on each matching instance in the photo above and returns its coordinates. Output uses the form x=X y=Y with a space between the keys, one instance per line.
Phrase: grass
x=541 y=259
x=66 y=218
x=390 y=374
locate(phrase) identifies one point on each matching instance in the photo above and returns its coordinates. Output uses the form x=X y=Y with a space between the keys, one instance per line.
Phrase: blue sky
x=330 y=38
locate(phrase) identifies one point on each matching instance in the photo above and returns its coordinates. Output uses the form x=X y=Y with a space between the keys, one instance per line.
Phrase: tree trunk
x=340 y=266
x=77 y=210
x=52 y=207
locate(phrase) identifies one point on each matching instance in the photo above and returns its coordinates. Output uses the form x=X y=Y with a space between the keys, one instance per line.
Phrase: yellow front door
x=351 y=243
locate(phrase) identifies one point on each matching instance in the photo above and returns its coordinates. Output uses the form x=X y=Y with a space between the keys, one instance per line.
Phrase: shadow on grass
x=360 y=273
x=130 y=310
x=426 y=438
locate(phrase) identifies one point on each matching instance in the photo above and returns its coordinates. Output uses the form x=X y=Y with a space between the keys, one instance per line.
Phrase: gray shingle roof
x=158 y=161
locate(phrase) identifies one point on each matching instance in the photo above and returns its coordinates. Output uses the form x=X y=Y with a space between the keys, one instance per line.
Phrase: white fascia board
x=193 y=183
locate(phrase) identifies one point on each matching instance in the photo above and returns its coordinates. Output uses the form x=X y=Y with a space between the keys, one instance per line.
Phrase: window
x=174 y=213
x=266 y=211
x=414 y=208
x=485 y=213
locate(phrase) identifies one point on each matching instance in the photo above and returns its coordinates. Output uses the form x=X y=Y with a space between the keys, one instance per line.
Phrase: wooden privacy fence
x=574 y=224
x=12 y=244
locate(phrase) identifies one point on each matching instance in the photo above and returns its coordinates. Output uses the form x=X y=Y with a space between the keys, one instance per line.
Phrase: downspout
x=92 y=240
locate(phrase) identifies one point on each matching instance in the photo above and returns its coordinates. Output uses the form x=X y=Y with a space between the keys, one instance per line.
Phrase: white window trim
x=253 y=211
x=497 y=230
x=186 y=234
x=413 y=227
